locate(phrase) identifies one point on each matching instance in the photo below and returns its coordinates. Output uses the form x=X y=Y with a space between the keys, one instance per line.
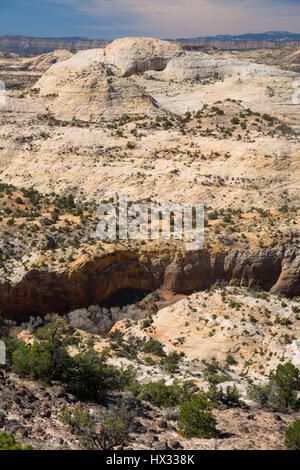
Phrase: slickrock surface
x=137 y=55
x=45 y=61
x=286 y=59
x=250 y=325
x=165 y=62
x=95 y=90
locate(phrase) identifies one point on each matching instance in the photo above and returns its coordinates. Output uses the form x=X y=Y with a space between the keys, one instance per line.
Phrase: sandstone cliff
x=90 y=280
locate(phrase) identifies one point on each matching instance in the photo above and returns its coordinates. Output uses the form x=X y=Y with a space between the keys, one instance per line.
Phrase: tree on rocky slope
x=281 y=391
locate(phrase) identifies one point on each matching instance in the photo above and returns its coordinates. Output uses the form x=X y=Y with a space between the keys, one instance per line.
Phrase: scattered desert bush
x=213 y=374
x=161 y=394
x=194 y=421
x=229 y=397
x=281 y=390
x=170 y=362
x=112 y=432
x=153 y=346
x=292 y=436
x=8 y=442
x=86 y=374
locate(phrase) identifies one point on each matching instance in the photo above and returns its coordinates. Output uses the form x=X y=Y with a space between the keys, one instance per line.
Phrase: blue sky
x=158 y=18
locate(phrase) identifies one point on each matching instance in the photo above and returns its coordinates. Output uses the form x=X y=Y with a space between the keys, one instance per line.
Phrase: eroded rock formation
x=82 y=82
x=92 y=280
x=137 y=55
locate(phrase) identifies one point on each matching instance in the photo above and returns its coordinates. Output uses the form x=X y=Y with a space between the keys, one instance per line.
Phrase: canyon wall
x=90 y=280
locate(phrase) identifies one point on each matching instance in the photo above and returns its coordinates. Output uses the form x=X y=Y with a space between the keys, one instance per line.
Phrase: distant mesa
x=29 y=45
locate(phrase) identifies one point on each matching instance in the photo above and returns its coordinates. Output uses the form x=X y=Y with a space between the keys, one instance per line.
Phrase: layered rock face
x=90 y=281
x=197 y=64
x=85 y=86
x=97 y=89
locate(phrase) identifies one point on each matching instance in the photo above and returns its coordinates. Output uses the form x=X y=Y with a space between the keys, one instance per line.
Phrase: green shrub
x=161 y=394
x=281 y=390
x=112 y=431
x=260 y=394
x=285 y=129
x=153 y=346
x=85 y=375
x=292 y=436
x=8 y=442
x=88 y=376
x=3 y=327
x=146 y=323
x=194 y=421
x=170 y=362
x=11 y=345
x=33 y=361
x=230 y=397
x=230 y=361
x=149 y=361
x=287 y=383
x=47 y=359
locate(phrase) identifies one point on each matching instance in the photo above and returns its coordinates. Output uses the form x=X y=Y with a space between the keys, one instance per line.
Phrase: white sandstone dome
x=54 y=79
x=103 y=82
x=96 y=90
x=95 y=82
x=192 y=64
x=137 y=55
x=43 y=62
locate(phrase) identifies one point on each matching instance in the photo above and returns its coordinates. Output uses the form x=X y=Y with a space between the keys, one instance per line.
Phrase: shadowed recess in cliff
x=90 y=281
x=126 y=296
